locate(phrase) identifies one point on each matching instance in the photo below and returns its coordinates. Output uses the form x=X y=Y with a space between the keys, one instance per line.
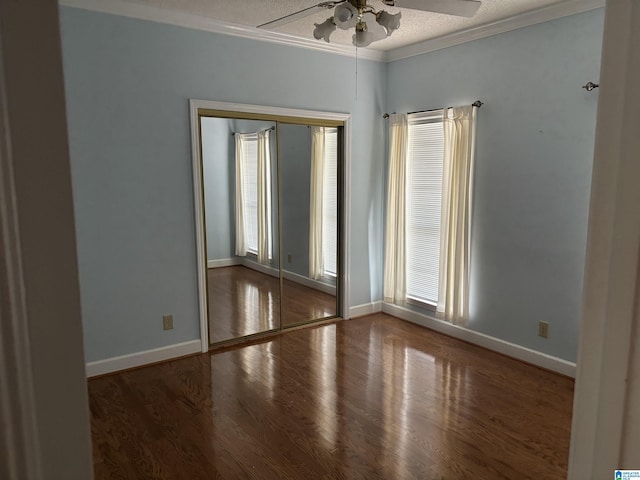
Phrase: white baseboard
x=309 y=282
x=365 y=309
x=230 y=262
x=115 y=364
x=223 y=262
x=266 y=269
x=501 y=346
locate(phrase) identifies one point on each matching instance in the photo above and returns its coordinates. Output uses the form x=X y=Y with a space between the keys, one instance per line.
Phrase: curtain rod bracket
x=590 y=86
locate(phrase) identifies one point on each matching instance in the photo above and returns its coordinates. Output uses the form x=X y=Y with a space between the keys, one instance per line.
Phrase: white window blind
x=269 y=216
x=423 y=205
x=250 y=199
x=330 y=202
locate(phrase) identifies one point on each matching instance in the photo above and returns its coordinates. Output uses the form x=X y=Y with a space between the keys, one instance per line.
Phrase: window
x=330 y=202
x=323 y=214
x=253 y=195
x=429 y=208
x=250 y=187
x=425 y=155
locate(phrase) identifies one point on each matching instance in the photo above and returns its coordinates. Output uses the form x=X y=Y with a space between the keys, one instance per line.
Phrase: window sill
x=431 y=307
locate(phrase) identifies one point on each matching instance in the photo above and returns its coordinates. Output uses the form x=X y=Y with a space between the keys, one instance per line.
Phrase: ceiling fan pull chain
x=356 y=74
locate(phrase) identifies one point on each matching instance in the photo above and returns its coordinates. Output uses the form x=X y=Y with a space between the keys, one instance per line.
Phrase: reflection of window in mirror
x=330 y=203
x=253 y=195
x=324 y=204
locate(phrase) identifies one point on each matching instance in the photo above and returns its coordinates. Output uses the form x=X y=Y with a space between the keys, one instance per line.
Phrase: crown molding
x=545 y=14
x=159 y=15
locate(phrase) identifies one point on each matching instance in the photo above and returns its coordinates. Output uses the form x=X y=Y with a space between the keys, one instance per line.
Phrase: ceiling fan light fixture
x=324 y=30
x=363 y=38
x=389 y=21
x=368 y=31
x=345 y=16
x=360 y=14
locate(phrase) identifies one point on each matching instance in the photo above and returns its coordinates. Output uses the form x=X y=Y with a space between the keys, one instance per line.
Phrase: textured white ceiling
x=415 y=26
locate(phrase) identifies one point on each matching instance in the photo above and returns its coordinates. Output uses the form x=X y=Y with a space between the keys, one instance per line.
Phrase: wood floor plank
x=374 y=397
x=242 y=301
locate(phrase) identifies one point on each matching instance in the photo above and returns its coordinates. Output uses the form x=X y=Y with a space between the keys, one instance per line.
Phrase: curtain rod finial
x=590 y=86
x=477 y=103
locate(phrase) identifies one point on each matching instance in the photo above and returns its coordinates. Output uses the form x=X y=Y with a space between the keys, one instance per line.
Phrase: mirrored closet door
x=309 y=216
x=271 y=197
x=239 y=174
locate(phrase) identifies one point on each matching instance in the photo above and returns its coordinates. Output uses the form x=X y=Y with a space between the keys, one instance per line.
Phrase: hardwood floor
x=369 y=398
x=301 y=304
x=243 y=301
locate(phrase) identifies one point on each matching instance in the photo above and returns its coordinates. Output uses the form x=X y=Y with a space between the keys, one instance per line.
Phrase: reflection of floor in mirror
x=243 y=301
x=301 y=304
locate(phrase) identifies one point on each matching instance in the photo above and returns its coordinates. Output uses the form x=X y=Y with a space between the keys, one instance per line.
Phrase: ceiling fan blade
x=305 y=12
x=461 y=8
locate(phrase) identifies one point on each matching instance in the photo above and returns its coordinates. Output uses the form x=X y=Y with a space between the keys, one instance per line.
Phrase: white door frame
x=17 y=400
x=606 y=414
x=44 y=408
x=194 y=106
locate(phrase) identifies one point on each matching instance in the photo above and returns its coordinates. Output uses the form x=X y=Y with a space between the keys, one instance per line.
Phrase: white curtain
x=264 y=198
x=395 y=255
x=455 y=231
x=241 y=217
x=316 y=260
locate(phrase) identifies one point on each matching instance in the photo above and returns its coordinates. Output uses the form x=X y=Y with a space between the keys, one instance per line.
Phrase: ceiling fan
x=371 y=25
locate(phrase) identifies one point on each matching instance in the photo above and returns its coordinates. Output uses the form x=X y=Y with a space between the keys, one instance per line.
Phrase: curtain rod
x=477 y=104
x=270 y=128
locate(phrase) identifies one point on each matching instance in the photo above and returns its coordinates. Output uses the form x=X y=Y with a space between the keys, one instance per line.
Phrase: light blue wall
x=533 y=168
x=218 y=178
x=127 y=85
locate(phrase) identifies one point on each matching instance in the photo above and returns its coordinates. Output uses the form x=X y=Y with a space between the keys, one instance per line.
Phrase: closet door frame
x=198 y=108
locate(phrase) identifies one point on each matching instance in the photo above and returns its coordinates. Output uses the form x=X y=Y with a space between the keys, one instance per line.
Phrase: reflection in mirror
x=309 y=210
x=239 y=170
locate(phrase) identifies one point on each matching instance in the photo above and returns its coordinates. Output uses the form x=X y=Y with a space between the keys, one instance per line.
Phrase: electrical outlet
x=167 y=322
x=543 y=329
